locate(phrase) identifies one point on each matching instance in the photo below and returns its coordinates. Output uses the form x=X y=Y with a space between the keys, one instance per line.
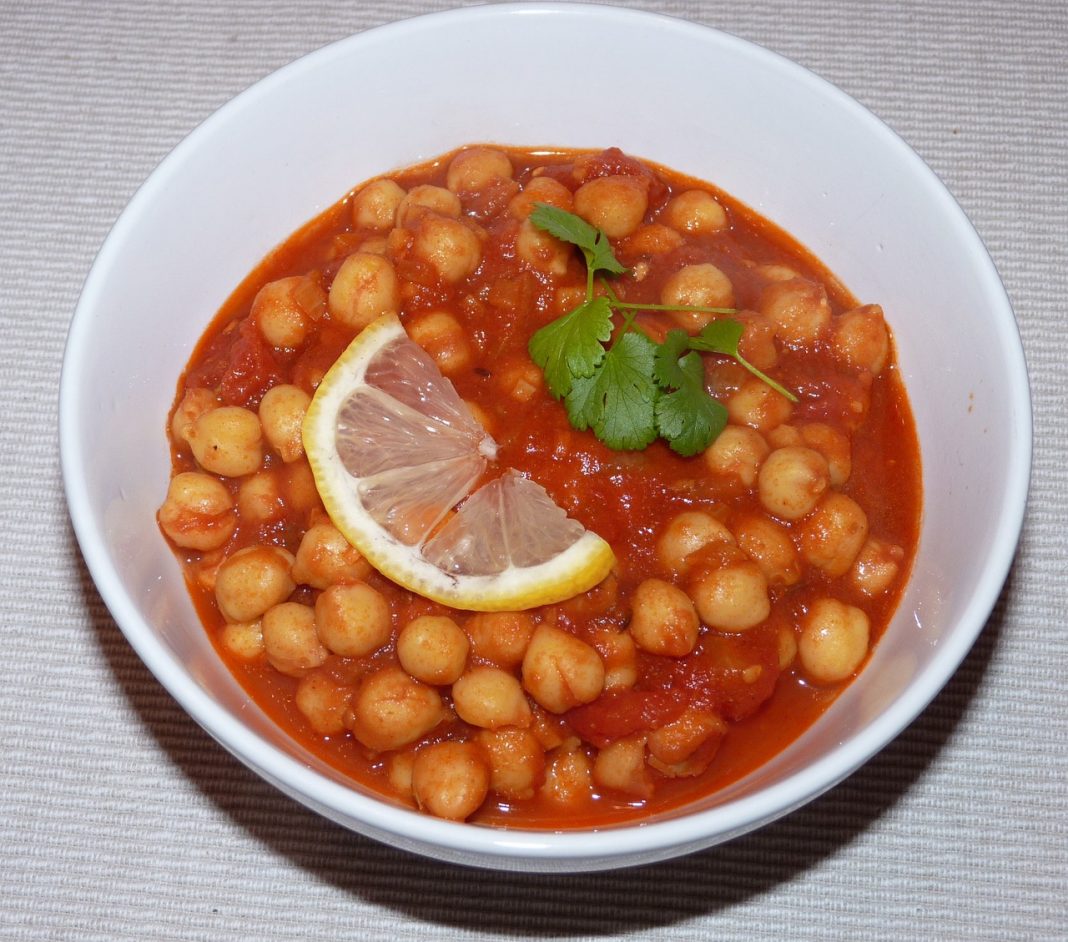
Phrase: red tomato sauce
x=628 y=498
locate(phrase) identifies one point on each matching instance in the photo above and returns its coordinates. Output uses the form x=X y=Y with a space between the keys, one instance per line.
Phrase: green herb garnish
x=635 y=390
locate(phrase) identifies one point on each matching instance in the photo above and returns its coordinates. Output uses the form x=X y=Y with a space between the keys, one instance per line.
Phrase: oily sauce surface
x=628 y=498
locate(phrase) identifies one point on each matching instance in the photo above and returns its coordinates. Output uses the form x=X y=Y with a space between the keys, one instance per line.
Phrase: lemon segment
x=396 y=455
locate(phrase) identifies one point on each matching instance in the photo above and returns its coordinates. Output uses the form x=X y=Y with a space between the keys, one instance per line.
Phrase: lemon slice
x=396 y=454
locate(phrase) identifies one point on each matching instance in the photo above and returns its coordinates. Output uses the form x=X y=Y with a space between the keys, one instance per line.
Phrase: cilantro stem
x=760 y=374
x=634 y=306
x=626 y=327
x=676 y=307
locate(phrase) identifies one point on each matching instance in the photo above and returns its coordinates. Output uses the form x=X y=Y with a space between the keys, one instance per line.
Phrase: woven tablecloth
x=121 y=819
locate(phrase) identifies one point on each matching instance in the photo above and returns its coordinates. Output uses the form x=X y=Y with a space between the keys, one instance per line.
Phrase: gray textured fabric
x=121 y=819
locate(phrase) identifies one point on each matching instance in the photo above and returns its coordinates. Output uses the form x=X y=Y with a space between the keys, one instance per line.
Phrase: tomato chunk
x=617 y=715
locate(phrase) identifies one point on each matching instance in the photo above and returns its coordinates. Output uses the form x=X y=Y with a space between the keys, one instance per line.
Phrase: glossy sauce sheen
x=627 y=498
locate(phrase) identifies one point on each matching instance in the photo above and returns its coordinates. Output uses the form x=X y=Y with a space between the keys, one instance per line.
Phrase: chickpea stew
x=752 y=579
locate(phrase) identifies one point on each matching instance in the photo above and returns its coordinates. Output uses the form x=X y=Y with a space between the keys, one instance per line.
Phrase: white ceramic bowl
x=772 y=134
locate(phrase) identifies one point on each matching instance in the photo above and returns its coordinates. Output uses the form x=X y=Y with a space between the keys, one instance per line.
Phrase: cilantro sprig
x=635 y=390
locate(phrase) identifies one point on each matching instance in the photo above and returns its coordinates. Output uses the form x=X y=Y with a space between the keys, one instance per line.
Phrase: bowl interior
x=702 y=102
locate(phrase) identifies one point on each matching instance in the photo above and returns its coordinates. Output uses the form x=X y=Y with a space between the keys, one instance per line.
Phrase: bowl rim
x=609 y=846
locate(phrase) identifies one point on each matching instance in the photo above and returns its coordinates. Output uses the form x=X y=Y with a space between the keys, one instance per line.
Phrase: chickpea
x=228 y=441
x=284 y=310
x=560 y=671
x=759 y=406
x=290 y=639
x=442 y=336
x=198 y=512
x=375 y=206
x=195 y=402
x=520 y=380
x=476 y=168
x=491 y=698
x=834 y=446
x=791 y=481
x=243 y=639
x=568 y=777
x=390 y=710
x=516 y=761
x=737 y=453
x=540 y=250
x=281 y=416
x=205 y=570
x=833 y=534
x=259 y=498
x=773 y=272
x=752 y=673
x=353 y=619
x=786 y=436
x=600 y=600
x=758 y=341
x=732 y=598
x=876 y=566
x=616 y=204
x=540 y=190
x=450 y=247
x=425 y=199
x=677 y=741
x=620 y=656
x=687 y=533
x=253 y=580
x=325 y=557
x=364 y=289
x=551 y=731
x=861 y=339
x=500 y=637
x=376 y=246
x=621 y=767
x=482 y=417
x=663 y=620
x=771 y=547
x=298 y=485
x=399 y=241
x=725 y=375
x=399 y=773
x=450 y=779
x=701 y=285
x=323 y=702
x=651 y=239
x=798 y=308
x=568 y=297
x=787 y=647
x=697 y=212
x=688 y=768
x=433 y=649
x=834 y=641
x=859 y=403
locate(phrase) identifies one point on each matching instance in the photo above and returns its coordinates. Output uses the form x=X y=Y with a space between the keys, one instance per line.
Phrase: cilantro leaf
x=574 y=229
x=619 y=400
x=564 y=225
x=668 y=370
x=602 y=258
x=719 y=336
x=689 y=418
x=570 y=348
